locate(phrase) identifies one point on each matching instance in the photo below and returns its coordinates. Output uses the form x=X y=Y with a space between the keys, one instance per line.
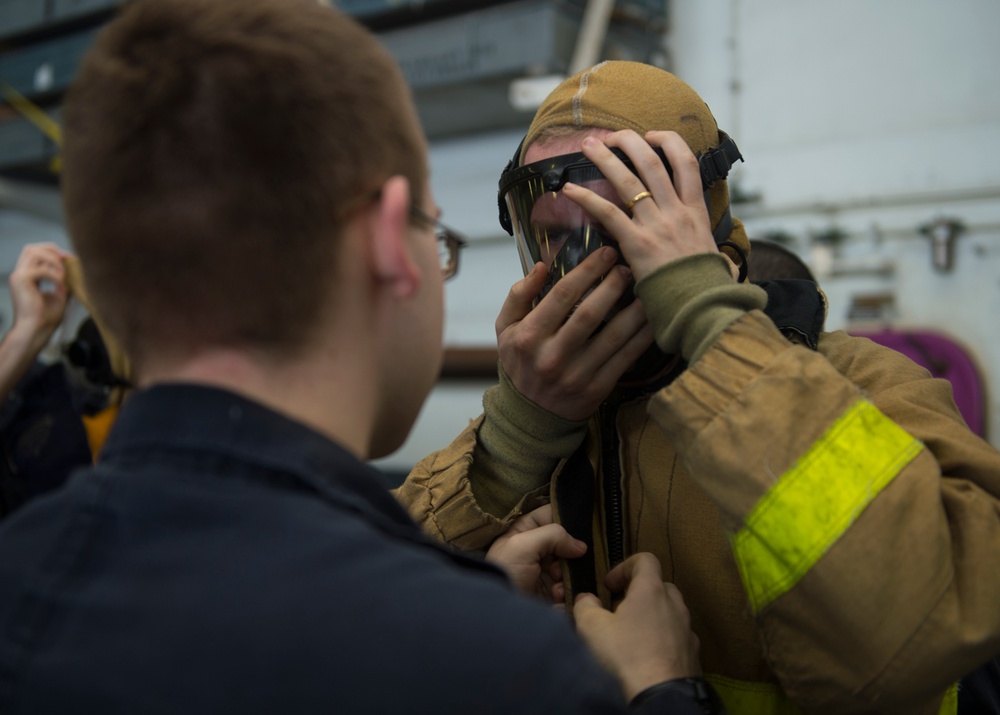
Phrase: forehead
x=555 y=210
x=555 y=146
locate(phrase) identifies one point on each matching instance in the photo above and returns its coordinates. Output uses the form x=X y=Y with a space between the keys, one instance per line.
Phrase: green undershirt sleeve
x=518 y=448
x=690 y=301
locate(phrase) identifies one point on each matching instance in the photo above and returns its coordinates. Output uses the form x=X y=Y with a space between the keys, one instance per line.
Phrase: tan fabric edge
x=439 y=498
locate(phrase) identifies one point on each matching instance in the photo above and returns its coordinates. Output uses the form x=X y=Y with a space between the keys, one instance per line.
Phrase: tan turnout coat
x=832 y=523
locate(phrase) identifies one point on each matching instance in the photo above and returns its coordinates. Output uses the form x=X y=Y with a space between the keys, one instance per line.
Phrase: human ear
x=391 y=243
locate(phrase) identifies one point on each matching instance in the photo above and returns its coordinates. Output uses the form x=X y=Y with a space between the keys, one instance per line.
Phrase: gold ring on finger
x=637 y=198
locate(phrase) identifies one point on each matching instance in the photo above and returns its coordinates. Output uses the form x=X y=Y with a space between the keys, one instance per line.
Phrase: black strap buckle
x=716 y=163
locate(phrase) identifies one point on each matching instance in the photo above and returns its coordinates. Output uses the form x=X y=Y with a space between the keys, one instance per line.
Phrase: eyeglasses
x=449 y=241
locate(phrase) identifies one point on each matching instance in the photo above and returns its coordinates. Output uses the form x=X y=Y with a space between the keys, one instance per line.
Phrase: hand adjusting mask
x=550 y=228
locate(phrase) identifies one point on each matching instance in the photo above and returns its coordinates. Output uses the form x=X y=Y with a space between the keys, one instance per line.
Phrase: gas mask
x=549 y=227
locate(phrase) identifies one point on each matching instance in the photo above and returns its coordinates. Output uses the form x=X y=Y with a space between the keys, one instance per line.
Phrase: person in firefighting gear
x=54 y=413
x=832 y=522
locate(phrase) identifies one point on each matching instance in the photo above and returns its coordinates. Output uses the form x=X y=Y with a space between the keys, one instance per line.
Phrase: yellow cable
x=32 y=112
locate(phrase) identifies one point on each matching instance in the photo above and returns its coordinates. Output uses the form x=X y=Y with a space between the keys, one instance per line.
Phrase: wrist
x=690 y=302
x=29 y=336
x=528 y=427
x=695 y=689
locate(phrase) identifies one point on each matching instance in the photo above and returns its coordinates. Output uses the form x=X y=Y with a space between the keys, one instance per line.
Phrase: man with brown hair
x=831 y=520
x=245 y=182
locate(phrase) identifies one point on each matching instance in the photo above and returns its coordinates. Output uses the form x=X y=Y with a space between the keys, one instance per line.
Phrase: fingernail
x=608 y=254
x=590 y=141
x=625 y=271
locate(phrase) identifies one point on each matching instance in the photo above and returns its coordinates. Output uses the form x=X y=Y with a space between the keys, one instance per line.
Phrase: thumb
x=586 y=606
x=521 y=298
x=642 y=567
x=532 y=520
x=552 y=540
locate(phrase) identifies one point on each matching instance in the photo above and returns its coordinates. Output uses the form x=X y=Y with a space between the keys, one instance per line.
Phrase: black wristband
x=697 y=689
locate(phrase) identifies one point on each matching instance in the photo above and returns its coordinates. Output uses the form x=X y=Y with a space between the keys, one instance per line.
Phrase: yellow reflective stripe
x=742 y=697
x=32 y=112
x=949 y=706
x=817 y=499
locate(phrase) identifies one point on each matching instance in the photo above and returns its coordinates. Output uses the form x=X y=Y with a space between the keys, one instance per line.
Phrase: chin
x=391 y=432
x=398 y=411
x=383 y=444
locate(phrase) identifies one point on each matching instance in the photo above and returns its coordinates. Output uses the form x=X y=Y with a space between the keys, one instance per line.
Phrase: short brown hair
x=771 y=261
x=212 y=149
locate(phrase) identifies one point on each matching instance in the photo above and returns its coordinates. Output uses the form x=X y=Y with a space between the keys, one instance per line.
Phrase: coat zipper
x=613 y=519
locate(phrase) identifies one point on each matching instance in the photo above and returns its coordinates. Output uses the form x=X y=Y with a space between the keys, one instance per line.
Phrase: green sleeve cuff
x=519 y=446
x=690 y=301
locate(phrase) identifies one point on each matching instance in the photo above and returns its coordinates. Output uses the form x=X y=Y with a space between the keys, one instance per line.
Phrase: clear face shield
x=547 y=226
x=550 y=228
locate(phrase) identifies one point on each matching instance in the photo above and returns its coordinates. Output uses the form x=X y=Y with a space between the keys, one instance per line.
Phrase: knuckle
x=566 y=290
x=517 y=291
x=687 y=161
x=499 y=327
x=521 y=342
x=549 y=367
x=588 y=313
x=648 y=561
x=608 y=211
x=649 y=162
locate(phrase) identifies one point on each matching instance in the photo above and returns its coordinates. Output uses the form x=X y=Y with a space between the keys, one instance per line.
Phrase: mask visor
x=547 y=226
